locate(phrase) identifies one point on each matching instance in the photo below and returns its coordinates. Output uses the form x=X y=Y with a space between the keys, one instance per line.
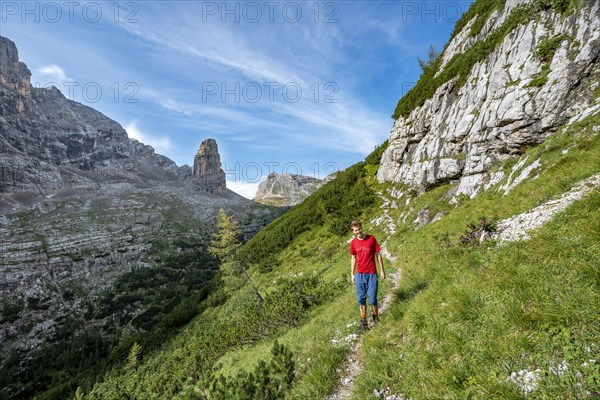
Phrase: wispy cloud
x=349 y=125
x=161 y=144
x=229 y=53
x=50 y=75
x=53 y=71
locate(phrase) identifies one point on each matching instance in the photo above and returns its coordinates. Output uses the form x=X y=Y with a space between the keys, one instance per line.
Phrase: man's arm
x=380 y=260
x=352 y=267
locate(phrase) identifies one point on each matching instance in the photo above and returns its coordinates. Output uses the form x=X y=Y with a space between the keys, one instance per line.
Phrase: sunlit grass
x=466 y=317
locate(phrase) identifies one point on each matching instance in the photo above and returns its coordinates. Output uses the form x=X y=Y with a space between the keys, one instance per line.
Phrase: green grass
x=464 y=318
x=488 y=312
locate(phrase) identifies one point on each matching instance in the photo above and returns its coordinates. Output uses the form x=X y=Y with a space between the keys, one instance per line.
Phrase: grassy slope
x=464 y=318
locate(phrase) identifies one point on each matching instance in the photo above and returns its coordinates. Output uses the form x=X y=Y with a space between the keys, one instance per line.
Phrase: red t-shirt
x=365 y=250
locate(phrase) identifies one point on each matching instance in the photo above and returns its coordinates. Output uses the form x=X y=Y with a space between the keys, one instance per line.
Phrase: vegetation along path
x=352 y=363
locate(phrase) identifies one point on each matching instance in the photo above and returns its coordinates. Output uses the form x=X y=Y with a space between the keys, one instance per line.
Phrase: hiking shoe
x=375 y=319
x=363 y=326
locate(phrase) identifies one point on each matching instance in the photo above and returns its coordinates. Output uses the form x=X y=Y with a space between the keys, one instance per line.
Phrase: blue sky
x=286 y=86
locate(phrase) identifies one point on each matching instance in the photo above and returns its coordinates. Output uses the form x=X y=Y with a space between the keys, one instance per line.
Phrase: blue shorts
x=366 y=284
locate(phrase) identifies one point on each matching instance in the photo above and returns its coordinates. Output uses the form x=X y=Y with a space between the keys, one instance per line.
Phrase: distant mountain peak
x=286 y=189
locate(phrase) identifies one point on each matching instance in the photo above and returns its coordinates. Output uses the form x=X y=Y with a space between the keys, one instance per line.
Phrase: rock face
x=207 y=173
x=286 y=189
x=48 y=142
x=13 y=74
x=504 y=107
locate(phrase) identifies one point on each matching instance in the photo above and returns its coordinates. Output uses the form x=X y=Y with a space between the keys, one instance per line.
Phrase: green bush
x=375 y=157
x=283 y=307
x=10 y=309
x=547 y=47
x=480 y=9
x=269 y=381
x=564 y=6
x=540 y=79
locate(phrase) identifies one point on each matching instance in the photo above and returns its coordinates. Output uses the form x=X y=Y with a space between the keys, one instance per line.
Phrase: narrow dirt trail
x=352 y=365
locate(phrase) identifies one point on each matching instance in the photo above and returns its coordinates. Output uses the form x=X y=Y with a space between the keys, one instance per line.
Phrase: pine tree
x=135 y=356
x=224 y=246
x=432 y=57
x=283 y=366
x=226 y=241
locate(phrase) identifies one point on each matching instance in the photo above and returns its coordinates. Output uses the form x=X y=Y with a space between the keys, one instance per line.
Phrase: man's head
x=357 y=229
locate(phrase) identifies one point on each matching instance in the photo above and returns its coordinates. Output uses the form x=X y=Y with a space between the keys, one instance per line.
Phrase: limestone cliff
x=542 y=73
x=286 y=189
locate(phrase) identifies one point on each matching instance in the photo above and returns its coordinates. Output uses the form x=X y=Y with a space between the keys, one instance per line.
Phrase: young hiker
x=364 y=250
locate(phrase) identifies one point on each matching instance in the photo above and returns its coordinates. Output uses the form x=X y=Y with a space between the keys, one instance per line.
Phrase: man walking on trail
x=364 y=250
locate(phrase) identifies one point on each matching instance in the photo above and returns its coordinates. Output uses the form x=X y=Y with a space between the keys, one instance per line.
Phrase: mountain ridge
x=75 y=139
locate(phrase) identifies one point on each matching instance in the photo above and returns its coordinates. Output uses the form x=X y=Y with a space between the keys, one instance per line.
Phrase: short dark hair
x=355 y=224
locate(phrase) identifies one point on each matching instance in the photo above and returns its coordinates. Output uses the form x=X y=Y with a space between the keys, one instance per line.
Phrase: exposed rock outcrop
x=517 y=227
x=13 y=73
x=512 y=100
x=286 y=189
x=207 y=173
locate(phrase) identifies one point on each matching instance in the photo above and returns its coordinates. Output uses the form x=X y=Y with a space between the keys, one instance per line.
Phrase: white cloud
x=248 y=190
x=161 y=144
x=53 y=72
x=51 y=75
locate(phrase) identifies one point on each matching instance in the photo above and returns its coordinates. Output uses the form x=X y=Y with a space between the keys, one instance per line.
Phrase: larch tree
x=224 y=246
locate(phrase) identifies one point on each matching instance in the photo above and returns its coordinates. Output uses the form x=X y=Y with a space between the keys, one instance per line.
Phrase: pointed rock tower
x=207 y=174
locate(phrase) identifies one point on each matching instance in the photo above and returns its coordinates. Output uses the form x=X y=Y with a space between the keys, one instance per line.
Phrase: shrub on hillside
x=268 y=381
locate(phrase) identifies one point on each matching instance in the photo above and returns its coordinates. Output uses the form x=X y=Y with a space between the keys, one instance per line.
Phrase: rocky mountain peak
x=286 y=189
x=14 y=74
x=207 y=159
x=207 y=173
